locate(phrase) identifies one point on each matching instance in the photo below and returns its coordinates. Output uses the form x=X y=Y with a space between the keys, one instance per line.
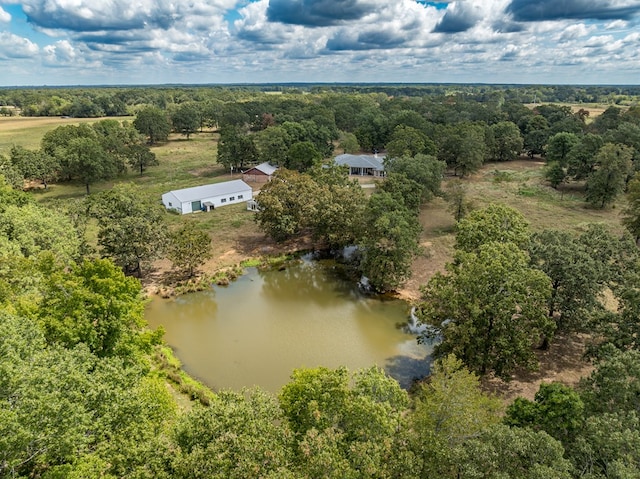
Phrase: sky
x=125 y=42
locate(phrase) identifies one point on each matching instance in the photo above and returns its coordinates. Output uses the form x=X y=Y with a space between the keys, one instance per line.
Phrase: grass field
x=28 y=131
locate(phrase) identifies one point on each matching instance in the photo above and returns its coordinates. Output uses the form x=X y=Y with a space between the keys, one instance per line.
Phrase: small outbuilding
x=361 y=165
x=260 y=174
x=207 y=197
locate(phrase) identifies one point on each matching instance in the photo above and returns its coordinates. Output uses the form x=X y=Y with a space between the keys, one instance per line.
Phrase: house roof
x=265 y=168
x=208 y=191
x=360 y=161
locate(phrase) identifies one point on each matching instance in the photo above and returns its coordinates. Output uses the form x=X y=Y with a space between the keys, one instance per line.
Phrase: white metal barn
x=207 y=197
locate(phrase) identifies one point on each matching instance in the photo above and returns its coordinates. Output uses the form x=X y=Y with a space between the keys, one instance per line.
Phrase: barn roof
x=207 y=191
x=266 y=168
x=360 y=161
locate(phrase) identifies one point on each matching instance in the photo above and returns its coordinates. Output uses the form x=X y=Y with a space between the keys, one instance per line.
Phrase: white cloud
x=5 y=17
x=13 y=46
x=574 y=31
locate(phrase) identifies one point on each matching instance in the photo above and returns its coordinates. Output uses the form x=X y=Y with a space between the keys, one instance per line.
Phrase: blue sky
x=85 y=42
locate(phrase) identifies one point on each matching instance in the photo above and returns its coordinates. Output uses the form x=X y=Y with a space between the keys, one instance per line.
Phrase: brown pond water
x=267 y=323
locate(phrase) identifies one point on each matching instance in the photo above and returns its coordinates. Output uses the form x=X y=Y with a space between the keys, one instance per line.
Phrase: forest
x=87 y=390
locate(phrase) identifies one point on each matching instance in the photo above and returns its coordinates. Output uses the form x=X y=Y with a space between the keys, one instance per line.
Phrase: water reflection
x=258 y=329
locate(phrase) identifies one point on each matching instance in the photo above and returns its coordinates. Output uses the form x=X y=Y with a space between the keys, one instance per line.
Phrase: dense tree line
x=463 y=126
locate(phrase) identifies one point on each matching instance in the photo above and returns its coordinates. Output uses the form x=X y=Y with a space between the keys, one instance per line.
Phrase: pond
x=267 y=323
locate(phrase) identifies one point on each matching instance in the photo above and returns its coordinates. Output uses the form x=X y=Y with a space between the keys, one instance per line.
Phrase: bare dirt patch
x=563 y=362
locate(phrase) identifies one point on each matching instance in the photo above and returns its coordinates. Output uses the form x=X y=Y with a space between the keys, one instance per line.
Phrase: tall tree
x=502 y=452
x=130 y=227
x=504 y=141
x=272 y=144
x=302 y=156
x=286 y=205
x=490 y=309
x=497 y=223
x=425 y=170
x=559 y=147
x=186 y=119
x=631 y=212
x=153 y=123
x=339 y=207
x=575 y=277
x=408 y=141
x=236 y=149
x=613 y=167
x=94 y=304
x=140 y=157
x=456 y=196
x=188 y=248
x=88 y=161
x=450 y=408
x=462 y=146
x=556 y=409
x=389 y=243
x=35 y=165
x=343 y=422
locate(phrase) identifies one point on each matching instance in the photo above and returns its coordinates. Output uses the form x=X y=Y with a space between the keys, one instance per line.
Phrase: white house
x=361 y=165
x=207 y=197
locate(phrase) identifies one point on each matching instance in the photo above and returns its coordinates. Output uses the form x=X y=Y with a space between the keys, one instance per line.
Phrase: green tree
x=302 y=156
x=556 y=409
x=236 y=149
x=408 y=141
x=153 y=123
x=285 y=205
x=504 y=141
x=130 y=227
x=489 y=309
x=502 y=452
x=390 y=242
x=272 y=144
x=495 y=223
x=339 y=207
x=581 y=158
x=10 y=173
x=188 y=248
x=240 y=435
x=55 y=142
x=555 y=174
x=35 y=165
x=140 y=157
x=456 y=196
x=614 y=385
x=88 y=161
x=404 y=190
x=631 y=212
x=349 y=143
x=559 y=147
x=344 y=424
x=425 y=170
x=576 y=279
x=94 y=304
x=186 y=119
x=462 y=147
x=35 y=229
x=450 y=408
x=613 y=166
